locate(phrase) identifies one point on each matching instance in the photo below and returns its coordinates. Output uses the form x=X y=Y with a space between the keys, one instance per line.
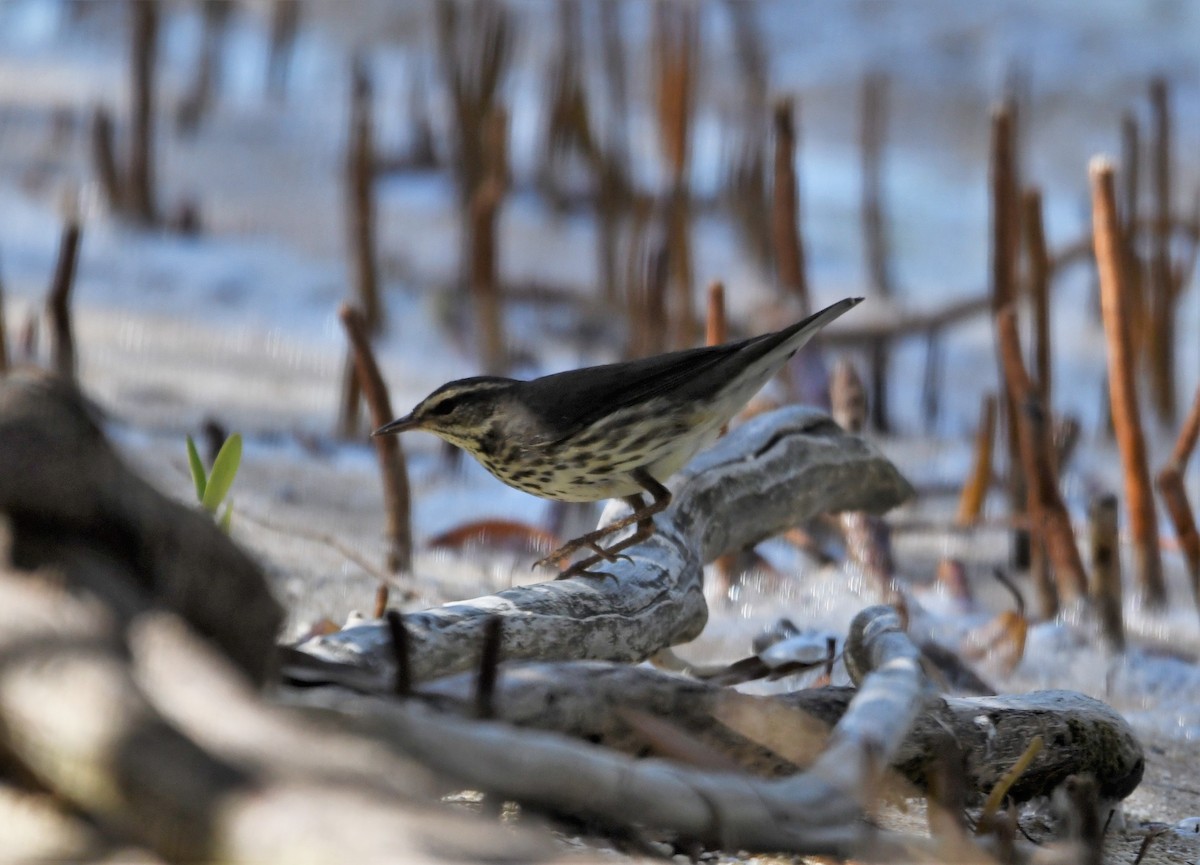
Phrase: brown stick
x=785 y=209
x=387 y=448
x=847 y=397
x=1039 y=287
x=1114 y=303
x=970 y=503
x=716 y=330
x=1129 y=176
x=677 y=43
x=105 y=162
x=1171 y=488
x=58 y=298
x=360 y=199
x=1162 y=300
x=1048 y=512
x=874 y=122
x=485 y=278
x=1105 y=585
x=144 y=49
x=1186 y=443
x=1004 y=292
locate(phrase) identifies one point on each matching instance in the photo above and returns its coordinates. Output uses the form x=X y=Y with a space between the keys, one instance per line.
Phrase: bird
x=618 y=430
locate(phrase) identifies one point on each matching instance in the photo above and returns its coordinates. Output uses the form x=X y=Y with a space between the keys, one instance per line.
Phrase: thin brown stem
x=360 y=199
x=785 y=209
x=1003 y=293
x=58 y=298
x=1114 y=304
x=874 y=124
x=847 y=397
x=104 y=160
x=144 y=50
x=1039 y=288
x=1047 y=509
x=716 y=330
x=387 y=448
x=970 y=503
x=1162 y=300
x=1105 y=584
x=484 y=273
x=1186 y=443
x=1174 y=496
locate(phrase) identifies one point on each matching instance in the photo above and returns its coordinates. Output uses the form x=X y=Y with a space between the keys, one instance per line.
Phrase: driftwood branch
x=818 y=812
x=589 y=700
x=766 y=476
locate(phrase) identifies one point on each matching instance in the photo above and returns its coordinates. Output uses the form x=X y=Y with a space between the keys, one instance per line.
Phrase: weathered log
x=588 y=701
x=73 y=504
x=226 y=777
x=771 y=473
x=818 y=812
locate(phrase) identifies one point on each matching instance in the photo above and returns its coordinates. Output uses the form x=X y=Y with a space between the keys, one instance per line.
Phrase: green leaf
x=198 y=475
x=224 y=470
x=226 y=517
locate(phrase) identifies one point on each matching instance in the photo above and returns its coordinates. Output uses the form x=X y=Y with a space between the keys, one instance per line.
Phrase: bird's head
x=461 y=412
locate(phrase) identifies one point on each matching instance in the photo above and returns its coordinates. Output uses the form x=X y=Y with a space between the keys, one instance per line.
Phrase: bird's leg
x=642 y=515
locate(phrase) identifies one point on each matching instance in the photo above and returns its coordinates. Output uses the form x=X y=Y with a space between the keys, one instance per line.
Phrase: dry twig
x=1115 y=306
x=1047 y=509
x=387 y=448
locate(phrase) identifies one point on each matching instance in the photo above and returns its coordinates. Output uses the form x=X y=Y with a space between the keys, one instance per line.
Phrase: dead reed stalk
x=1161 y=345
x=1048 y=512
x=873 y=132
x=360 y=199
x=785 y=210
x=847 y=397
x=486 y=291
x=677 y=42
x=716 y=330
x=1129 y=177
x=1171 y=488
x=974 y=491
x=1105 y=586
x=1004 y=253
x=1039 y=288
x=1115 y=305
x=144 y=51
x=58 y=298
x=387 y=448
x=104 y=160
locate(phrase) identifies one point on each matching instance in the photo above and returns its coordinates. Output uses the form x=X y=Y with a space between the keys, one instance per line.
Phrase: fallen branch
x=769 y=474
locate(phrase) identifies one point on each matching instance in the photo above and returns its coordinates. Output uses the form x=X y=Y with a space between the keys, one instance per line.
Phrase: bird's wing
x=569 y=401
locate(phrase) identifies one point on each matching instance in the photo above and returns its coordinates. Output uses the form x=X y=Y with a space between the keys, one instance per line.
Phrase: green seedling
x=213 y=486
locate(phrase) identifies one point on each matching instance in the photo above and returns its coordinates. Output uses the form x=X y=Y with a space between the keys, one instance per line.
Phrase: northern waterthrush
x=609 y=431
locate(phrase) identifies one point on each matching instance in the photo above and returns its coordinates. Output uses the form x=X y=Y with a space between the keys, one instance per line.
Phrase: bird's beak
x=398 y=426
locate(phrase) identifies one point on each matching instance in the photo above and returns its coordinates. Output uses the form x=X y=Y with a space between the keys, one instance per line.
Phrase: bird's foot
x=591 y=540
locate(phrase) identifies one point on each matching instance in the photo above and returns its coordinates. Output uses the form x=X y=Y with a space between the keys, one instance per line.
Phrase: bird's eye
x=444 y=407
